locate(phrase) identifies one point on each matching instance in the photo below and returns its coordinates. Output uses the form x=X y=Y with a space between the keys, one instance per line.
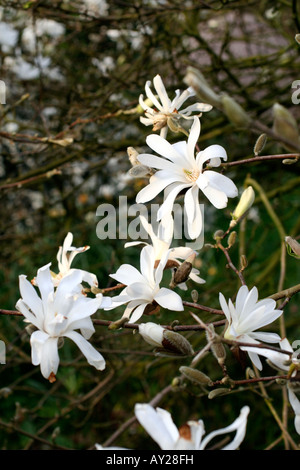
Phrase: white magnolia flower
x=159 y=425
x=178 y=170
x=161 y=243
x=164 y=109
x=143 y=287
x=65 y=257
x=248 y=315
x=56 y=314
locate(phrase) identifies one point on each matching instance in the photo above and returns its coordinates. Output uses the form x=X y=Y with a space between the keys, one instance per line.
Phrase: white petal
x=167 y=206
x=224 y=307
x=140 y=290
x=147 y=260
x=158 y=424
x=213 y=151
x=45 y=353
x=197 y=107
x=193 y=139
x=44 y=282
x=137 y=313
x=239 y=425
x=296 y=407
x=163 y=147
x=161 y=91
x=157 y=183
x=217 y=197
x=127 y=274
x=151 y=96
x=222 y=183
x=93 y=357
x=31 y=298
x=169 y=299
x=152 y=161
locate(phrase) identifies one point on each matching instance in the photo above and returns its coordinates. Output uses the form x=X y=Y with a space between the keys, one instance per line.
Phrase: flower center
x=192 y=175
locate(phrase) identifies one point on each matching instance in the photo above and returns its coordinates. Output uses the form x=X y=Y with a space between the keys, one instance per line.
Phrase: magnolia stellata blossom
x=143 y=287
x=161 y=243
x=56 y=314
x=164 y=109
x=160 y=426
x=179 y=169
x=65 y=256
x=248 y=315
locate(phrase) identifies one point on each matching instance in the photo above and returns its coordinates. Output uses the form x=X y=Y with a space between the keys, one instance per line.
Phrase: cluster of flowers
x=64 y=307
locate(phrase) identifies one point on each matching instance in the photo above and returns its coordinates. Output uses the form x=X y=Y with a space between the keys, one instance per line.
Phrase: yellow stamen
x=192 y=175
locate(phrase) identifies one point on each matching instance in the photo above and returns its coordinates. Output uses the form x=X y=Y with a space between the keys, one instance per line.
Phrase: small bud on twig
x=217 y=392
x=260 y=143
x=196 y=376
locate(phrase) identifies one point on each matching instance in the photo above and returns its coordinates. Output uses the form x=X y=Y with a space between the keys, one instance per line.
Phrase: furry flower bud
x=195 y=376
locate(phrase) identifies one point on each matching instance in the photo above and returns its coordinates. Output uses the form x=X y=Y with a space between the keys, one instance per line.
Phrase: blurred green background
x=74 y=71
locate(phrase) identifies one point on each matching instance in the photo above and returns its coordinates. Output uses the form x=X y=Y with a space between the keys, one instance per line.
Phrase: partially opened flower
x=56 y=314
x=248 y=315
x=161 y=243
x=180 y=170
x=65 y=257
x=143 y=287
x=163 y=109
x=160 y=426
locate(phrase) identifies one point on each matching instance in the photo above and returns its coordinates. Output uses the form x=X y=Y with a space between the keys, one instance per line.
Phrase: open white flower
x=161 y=243
x=143 y=287
x=160 y=426
x=164 y=108
x=178 y=170
x=248 y=315
x=56 y=314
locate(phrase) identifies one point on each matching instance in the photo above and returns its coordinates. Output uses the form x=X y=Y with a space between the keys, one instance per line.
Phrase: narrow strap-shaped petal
x=151 y=96
x=93 y=357
x=239 y=425
x=162 y=93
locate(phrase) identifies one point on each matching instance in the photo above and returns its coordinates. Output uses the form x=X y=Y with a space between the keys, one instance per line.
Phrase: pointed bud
x=235 y=112
x=260 y=143
x=196 y=80
x=194 y=295
x=297 y=38
x=176 y=343
x=232 y=239
x=244 y=262
x=285 y=125
x=246 y=201
x=196 y=376
x=217 y=392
